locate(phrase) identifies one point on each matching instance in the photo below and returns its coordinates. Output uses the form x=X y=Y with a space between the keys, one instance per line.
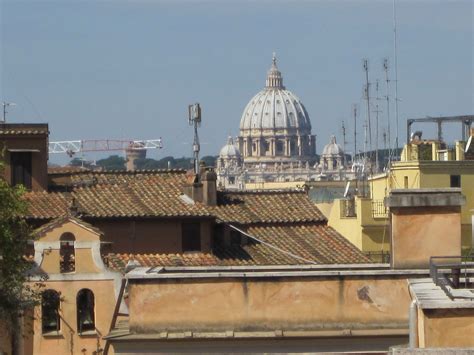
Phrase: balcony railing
x=379 y=210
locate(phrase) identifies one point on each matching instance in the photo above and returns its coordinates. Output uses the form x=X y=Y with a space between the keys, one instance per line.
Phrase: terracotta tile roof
x=69 y=169
x=44 y=205
x=120 y=194
x=23 y=129
x=58 y=222
x=266 y=207
x=318 y=244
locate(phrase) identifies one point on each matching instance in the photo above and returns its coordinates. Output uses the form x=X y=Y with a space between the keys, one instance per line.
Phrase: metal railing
x=452 y=272
x=348 y=208
x=379 y=210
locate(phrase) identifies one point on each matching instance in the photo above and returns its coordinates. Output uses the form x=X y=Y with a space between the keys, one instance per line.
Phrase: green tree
x=16 y=294
x=113 y=162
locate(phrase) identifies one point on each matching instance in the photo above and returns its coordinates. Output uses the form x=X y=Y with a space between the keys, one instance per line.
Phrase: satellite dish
x=346 y=191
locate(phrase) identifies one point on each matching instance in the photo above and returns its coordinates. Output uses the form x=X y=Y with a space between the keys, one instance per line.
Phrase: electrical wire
x=271 y=246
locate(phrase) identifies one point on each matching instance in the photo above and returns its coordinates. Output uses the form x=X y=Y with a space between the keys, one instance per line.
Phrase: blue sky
x=128 y=69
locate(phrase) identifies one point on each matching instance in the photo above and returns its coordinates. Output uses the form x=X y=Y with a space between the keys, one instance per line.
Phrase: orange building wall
x=448 y=328
x=276 y=303
x=69 y=341
x=421 y=232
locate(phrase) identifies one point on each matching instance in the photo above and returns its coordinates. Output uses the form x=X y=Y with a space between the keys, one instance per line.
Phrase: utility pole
x=5 y=105
x=354 y=112
x=194 y=119
x=367 y=98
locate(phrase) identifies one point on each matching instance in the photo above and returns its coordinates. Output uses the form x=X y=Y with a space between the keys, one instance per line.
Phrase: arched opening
x=85 y=311
x=50 y=321
x=67 y=256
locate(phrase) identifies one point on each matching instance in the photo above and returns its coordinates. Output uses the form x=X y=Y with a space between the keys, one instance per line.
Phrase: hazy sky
x=128 y=69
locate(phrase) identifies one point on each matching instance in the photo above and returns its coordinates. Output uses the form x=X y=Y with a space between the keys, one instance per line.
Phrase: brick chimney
x=202 y=187
x=424 y=223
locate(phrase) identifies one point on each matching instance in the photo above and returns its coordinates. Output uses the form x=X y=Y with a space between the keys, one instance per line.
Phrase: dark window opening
x=235 y=238
x=231 y=179
x=67 y=257
x=455 y=181
x=191 y=236
x=405 y=182
x=21 y=169
x=85 y=311
x=50 y=321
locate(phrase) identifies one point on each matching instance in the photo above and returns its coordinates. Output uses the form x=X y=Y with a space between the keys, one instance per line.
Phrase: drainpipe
x=412 y=325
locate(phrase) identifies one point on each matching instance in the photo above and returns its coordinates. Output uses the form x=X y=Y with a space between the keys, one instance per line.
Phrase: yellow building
x=423 y=164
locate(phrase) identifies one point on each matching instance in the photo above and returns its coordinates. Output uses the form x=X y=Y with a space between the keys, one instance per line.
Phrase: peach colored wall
x=69 y=342
x=39 y=164
x=84 y=262
x=448 y=328
x=418 y=233
x=150 y=236
x=269 y=304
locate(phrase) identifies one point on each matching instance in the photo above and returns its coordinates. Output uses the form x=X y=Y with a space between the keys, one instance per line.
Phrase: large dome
x=275 y=108
x=230 y=150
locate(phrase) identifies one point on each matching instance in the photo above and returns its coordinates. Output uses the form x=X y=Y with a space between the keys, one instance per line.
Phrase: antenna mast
x=344 y=142
x=385 y=68
x=194 y=118
x=377 y=126
x=354 y=111
x=5 y=105
x=396 y=68
x=367 y=97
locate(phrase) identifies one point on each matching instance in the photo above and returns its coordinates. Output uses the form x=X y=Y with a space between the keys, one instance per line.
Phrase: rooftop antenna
x=354 y=112
x=194 y=119
x=377 y=126
x=387 y=97
x=365 y=140
x=344 y=141
x=396 y=67
x=384 y=137
x=367 y=97
x=5 y=105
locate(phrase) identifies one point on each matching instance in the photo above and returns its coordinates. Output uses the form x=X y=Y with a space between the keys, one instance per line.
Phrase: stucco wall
x=421 y=232
x=269 y=304
x=69 y=341
x=448 y=328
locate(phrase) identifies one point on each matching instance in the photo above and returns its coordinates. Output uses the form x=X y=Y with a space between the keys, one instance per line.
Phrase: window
x=21 y=169
x=191 y=236
x=405 y=182
x=85 y=311
x=50 y=321
x=235 y=238
x=455 y=181
x=279 y=146
x=67 y=257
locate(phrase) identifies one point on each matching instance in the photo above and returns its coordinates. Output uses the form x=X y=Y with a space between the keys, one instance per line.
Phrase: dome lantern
x=274 y=78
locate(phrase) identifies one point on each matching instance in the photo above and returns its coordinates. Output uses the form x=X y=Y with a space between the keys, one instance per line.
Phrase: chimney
x=209 y=186
x=202 y=187
x=424 y=223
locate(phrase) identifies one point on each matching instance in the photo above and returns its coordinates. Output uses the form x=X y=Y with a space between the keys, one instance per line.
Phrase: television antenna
x=194 y=119
x=365 y=64
x=5 y=105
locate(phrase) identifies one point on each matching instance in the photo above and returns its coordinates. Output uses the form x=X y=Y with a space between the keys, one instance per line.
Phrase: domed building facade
x=275 y=126
x=275 y=143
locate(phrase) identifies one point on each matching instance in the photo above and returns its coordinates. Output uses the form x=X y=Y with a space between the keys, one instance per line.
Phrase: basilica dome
x=332 y=148
x=230 y=150
x=275 y=108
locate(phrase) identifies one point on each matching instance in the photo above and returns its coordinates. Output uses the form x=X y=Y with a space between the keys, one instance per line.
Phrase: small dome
x=275 y=107
x=333 y=148
x=230 y=150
